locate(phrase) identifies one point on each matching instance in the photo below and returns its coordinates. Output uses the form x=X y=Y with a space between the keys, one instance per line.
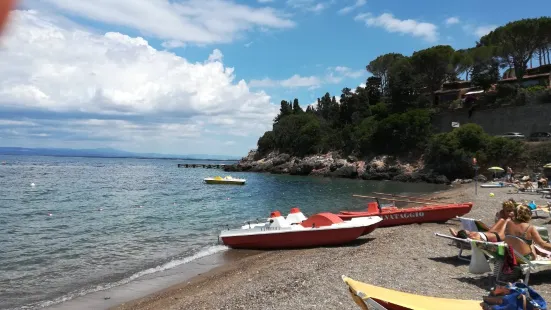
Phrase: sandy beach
x=407 y=258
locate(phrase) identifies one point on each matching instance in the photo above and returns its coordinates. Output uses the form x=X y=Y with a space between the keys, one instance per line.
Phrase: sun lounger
x=464 y=244
x=527 y=266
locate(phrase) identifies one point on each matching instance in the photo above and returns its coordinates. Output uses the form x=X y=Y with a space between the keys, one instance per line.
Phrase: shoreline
x=406 y=258
x=331 y=164
x=154 y=283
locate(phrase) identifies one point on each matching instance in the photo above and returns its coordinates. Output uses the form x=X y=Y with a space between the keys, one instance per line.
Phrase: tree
x=485 y=73
x=324 y=106
x=462 y=63
x=373 y=89
x=296 y=107
x=433 y=66
x=516 y=42
x=402 y=132
x=403 y=85
x=285 y=110
x=380 y=67
x=298 y=134
x=266 y=143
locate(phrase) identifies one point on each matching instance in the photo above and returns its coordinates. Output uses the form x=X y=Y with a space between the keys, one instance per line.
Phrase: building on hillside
x=452 y=91
x=534 y=76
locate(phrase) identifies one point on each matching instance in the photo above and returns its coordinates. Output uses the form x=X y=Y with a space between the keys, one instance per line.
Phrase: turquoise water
x=88 y=224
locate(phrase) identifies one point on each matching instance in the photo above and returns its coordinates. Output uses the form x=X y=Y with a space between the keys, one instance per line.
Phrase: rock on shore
x=333 y=165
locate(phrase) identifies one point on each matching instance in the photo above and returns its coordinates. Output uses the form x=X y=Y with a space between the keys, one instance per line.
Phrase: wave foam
x=169 y=265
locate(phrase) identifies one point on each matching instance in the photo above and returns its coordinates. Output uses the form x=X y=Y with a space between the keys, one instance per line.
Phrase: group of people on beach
x=512 y=225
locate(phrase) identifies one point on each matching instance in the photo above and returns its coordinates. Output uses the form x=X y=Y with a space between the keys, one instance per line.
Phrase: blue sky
x=203 y=76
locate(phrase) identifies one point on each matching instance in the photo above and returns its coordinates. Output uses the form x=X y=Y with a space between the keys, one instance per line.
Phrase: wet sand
x=153 y=283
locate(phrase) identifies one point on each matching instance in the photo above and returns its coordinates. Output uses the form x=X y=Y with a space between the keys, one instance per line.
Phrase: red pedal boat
x=393 y=216
x=322 y=229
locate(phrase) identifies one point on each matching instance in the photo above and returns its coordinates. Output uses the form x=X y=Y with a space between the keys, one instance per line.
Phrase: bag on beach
x=520 y=297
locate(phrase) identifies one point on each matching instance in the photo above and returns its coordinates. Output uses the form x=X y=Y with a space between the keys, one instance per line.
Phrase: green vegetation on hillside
x=392 y=114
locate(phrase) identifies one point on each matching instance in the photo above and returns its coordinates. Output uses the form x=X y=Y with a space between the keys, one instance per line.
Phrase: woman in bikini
x=496 y=233
x=522 y=235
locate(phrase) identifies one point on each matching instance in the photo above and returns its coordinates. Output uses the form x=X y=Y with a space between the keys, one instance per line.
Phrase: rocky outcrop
x=333 y=165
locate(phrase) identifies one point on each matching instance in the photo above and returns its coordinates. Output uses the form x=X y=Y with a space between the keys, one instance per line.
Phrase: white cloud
x=192 y=21
x=67 y=71
x=171 y=44
x=427 y=31
x=10 y=122
x=248 y=44
x=452 y=21
x=294 y=81
x=484 y=30
x=348 y=72
x=478 y=31
x=308 y=5
x=350 y=8
x=265 y=1
x=334 y=75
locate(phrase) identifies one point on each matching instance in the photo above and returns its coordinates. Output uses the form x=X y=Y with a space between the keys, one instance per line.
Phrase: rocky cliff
x=333 y=165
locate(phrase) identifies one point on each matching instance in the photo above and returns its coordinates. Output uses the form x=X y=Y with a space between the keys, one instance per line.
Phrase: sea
x=70 y=227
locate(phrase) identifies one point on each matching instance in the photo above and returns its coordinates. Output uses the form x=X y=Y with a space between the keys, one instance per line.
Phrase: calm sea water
x=88 y=224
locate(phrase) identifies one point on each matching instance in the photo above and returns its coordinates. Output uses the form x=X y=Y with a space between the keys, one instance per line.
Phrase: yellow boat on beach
x=382 y=298
x=225 y=180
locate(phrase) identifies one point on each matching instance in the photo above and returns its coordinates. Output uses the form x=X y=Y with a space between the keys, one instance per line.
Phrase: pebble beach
x=406 y=258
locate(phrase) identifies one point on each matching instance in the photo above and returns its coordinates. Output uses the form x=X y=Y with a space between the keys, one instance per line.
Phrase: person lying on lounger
x=496 y=233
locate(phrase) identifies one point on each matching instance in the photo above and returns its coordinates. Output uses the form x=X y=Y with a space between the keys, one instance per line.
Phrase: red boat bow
x=393 y=216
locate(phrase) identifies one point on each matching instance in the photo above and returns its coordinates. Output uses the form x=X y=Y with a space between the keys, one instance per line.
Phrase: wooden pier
x=207 y=166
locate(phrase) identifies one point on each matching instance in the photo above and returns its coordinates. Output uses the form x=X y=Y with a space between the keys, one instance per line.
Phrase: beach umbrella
x=547 y=166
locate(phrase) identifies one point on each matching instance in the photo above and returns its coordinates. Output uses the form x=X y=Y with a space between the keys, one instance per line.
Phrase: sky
x=204 y=76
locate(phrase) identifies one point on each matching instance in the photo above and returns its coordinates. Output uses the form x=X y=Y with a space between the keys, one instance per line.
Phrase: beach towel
x=479 y=264
x=521 y=297
x=510 y=262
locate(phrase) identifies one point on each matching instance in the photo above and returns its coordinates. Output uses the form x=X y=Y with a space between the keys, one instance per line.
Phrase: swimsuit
x=483 y=236
x=498 y=238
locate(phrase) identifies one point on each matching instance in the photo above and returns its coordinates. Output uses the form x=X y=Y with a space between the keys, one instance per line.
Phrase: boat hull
x=225 y=182
x=428 y=214
x=296 y=239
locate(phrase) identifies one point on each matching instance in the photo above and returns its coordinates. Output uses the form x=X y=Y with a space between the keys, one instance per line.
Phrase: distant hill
x=105 y=152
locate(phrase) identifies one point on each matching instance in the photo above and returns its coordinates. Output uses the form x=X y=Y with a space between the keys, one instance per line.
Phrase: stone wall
x=524 y=119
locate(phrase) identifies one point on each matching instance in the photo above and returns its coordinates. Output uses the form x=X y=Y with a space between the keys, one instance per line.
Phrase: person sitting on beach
x=522 y=236
x=543 y=182
x=507 y=210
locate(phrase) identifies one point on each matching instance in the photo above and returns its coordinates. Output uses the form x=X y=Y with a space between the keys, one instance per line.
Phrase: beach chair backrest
x=473 y=225
x=544 y=233
x=518 y=245
x=468 y=224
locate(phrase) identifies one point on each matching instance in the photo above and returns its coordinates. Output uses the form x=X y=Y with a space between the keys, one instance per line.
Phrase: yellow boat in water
x=225 y=180
x=383 y=298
